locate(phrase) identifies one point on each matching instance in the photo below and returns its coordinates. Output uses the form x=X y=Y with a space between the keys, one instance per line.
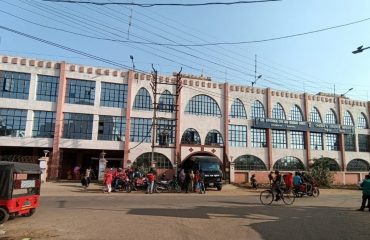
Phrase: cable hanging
x=163 y=4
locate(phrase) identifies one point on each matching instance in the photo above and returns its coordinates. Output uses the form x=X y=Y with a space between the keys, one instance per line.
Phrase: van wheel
x=219 y=188
x=30 y=213
x=4 y=215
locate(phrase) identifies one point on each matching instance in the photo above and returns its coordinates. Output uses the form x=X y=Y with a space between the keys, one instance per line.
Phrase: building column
x=126 y=151
x=307 y=139
x=269 y=131
x=226 y=122
x=177 y=159
x=341 y=135
x=55 y=157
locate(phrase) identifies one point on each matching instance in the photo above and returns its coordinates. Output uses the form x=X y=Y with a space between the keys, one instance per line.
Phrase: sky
x=317 y=62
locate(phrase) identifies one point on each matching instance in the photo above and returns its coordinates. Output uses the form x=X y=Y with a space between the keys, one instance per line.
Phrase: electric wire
x=161 y=4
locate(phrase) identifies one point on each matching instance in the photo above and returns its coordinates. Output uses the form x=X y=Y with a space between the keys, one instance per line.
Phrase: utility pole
x=154 y=85
x=167 y=134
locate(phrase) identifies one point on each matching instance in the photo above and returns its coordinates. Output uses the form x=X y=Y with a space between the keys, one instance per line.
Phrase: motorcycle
x=307 y=189
x=167 y=186
x=138 y=184
x=121 y=184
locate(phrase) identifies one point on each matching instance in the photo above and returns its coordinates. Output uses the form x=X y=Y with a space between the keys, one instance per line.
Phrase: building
x=79 y=112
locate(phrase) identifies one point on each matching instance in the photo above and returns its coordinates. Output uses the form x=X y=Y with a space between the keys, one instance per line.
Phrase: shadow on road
x=268 y=220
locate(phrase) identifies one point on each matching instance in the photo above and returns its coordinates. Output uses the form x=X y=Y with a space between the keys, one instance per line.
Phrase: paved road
x=69 y=212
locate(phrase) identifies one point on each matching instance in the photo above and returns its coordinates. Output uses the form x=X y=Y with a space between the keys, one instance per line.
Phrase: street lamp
x=360 y=49
x=342 y=95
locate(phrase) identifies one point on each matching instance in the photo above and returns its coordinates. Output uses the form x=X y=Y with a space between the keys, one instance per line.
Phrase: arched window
x=333 y=165
x=258 y=111
x=362 y=121
x=347 y=119
x=315 y=115
x=166 y=102
x=249 y=162
x=237 y=109
x=214 y=137
x=358 y=165
x=144 y=161
x=330 y=117
x=203 y=105
x=296 y=113
x=191 y=136
x=278 y=112
x=143 y=101
x=289 y=164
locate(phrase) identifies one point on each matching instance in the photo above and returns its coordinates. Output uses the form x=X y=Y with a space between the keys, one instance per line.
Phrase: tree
x=320 y=172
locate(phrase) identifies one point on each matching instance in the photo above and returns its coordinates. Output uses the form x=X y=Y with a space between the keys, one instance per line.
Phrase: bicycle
x=267 y=196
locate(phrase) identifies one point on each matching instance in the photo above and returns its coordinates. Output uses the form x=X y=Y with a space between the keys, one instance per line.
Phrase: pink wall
x=339 y=178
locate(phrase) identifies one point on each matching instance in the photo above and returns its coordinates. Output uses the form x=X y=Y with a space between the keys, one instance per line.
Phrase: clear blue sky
x=310 y=63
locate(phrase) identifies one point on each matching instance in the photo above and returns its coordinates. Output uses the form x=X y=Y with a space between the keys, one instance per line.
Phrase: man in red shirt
x=151 y=178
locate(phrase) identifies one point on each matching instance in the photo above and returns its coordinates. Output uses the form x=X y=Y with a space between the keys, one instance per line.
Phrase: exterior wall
x=192 y=86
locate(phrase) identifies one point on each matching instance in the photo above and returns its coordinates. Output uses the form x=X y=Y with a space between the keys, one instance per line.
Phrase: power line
x=163 y=4
x=67 y=48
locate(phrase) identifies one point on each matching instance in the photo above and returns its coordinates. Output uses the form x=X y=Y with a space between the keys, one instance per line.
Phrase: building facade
x=77 y=112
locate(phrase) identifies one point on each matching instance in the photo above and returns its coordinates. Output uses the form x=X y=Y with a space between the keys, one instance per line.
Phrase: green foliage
x=320 y=172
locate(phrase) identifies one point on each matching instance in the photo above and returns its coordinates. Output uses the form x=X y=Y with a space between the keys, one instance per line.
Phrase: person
x=271 y=177
x=253 y=181
x=108 y=178
x=297 y=181
x=151 y=178
x=278 y=185
x=76 y=172
x=365 y=193
x=202 y=188
x=187 y=182
x=118 y=178
x=191 y=184
x=182 y=179
x=196 y=180
x=87 y=176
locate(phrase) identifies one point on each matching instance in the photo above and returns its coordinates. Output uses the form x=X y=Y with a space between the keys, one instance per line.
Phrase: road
x=69 y=212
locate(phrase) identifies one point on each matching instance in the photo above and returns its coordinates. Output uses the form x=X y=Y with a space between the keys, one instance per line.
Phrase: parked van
x=211 y=170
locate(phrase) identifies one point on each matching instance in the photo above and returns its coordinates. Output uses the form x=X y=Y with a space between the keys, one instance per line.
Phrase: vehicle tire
x=288 y=198
x=315 y=192
x=219 y=188
x=30 y=213
x=4 y=215
x=158 y=189
x=266 y=197
x=127 y=188
x=297 y=194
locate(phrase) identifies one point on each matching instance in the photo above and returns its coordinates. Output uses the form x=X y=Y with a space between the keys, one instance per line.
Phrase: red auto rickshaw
x=19 y=189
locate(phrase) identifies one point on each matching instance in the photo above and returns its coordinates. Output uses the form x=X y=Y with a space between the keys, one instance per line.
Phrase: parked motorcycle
x=167 y=186
x=138 y=184
x=121 y=184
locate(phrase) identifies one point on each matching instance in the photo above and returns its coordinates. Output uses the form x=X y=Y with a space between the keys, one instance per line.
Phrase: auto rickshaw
x=19 y=189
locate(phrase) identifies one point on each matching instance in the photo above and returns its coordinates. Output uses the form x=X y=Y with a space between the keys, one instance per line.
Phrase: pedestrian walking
x=108 y=178
x=365 y=193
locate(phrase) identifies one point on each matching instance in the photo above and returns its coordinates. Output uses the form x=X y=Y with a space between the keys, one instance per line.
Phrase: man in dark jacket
x=365 y=193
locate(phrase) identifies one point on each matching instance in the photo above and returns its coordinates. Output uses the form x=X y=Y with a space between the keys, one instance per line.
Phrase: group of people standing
x=192 y=182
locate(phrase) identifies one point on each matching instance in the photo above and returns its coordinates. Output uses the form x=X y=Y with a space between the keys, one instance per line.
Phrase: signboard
x=302 y=126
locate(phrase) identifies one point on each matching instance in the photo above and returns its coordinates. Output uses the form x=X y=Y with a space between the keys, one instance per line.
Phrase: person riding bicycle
x=253 y=181
x=278 y=185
